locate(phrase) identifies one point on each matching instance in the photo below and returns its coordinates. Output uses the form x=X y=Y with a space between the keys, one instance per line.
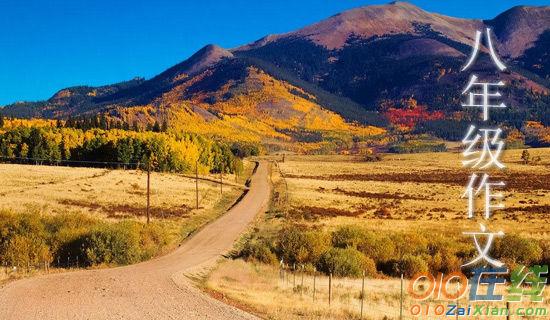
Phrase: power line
x=71 y=161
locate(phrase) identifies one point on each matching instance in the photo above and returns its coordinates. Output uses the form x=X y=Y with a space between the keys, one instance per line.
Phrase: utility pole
x=197 y=184
x=148 y=190
x=221 y=180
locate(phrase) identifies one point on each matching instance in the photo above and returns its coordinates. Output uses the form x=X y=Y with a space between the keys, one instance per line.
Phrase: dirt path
x=156 y=289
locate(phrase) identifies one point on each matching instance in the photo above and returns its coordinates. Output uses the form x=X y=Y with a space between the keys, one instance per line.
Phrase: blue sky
x=48 y=45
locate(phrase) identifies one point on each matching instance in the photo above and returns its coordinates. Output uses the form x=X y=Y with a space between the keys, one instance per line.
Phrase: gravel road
x=156 y=289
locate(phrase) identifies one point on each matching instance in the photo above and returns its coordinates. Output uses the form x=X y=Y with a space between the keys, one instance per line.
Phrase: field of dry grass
x=264 y=290
x=111 y=194
x=402 y=193
x=414 y=191
x=117 y=195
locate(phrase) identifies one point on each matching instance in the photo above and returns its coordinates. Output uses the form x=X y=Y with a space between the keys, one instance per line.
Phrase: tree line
x=116 y=147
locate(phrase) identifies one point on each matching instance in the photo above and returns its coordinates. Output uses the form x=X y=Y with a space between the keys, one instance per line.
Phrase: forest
x=94 y=143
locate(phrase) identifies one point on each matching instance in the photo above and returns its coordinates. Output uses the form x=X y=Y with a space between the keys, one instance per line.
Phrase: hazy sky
x=48 y=45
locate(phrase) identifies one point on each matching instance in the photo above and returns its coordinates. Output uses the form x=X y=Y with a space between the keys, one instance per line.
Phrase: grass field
x=110 y=197
x=406 y=193
x=414 y=191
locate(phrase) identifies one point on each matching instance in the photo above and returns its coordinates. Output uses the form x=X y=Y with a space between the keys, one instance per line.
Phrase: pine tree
x=156 y=127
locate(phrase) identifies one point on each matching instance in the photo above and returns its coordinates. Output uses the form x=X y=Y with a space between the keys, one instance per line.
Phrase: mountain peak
x=404 y=4
x=394 y=18
x=206 y=57
x=518 y=27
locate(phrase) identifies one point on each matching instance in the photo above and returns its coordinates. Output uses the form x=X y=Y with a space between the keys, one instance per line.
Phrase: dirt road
x=156 y=289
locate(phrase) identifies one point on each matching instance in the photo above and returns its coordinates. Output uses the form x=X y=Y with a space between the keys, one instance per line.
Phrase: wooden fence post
x=302 y=284
x=314 y=276
x=329 y=288
x=401 y=300
x=294 y=276
x=362 y=294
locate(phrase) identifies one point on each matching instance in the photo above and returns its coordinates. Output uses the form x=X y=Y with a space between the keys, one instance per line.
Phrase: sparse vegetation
x=400 y=215
x=86 y=217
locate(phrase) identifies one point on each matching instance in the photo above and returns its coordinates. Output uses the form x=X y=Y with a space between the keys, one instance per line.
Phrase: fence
x=112 y=194
x=366 y=298
x=358 y=298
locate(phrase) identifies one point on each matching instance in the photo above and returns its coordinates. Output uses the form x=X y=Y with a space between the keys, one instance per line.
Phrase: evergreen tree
x=156 y=127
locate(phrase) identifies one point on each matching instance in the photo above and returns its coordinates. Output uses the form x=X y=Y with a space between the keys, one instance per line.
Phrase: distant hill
x=338 y=75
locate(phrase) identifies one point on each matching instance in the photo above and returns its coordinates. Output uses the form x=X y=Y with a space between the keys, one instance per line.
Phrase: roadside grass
x=404 y=197
x=260 y=289
x=55 y=218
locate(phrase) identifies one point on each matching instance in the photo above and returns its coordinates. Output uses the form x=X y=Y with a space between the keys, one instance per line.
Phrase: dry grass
x=265 y=291
x=416 y=192
x=113 y=195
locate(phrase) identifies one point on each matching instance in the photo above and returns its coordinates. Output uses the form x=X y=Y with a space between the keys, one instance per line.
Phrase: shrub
x=379 y=247
x=32 y=239
x=152 y=240
x=409 y=265
x=111 y=244
x=417 y=146
x=409 y=244
x=444 y=255
x=347 y=237
x=375 y=157
x=515 y=249
x=545 y=246
x=258 y=250
x=346 y=263
x=23 y=239
x=525 y=157
x=25 y=250
x=296 y=245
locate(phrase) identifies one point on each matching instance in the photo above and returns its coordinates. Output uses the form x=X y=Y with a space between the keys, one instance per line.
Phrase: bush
x=346 y=263
x=409 y=265
x=514 y=249
x=373 y=157
x=545 y=246
x=258 y=250
x=379 y=247
x=417 y=146
x=112 y=244
x=23 y=240
x=347 y=237
x=409 y=244
x=32 y=239
x=299 y=246
x=25 y=250
x=152 y=240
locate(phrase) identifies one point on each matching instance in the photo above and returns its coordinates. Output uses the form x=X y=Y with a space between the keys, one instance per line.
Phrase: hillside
x=336 y=77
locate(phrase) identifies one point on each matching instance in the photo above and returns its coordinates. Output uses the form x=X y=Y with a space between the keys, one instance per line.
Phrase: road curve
x=156 y=289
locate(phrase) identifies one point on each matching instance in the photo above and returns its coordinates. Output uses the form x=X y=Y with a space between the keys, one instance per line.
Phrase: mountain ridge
x=351 y=67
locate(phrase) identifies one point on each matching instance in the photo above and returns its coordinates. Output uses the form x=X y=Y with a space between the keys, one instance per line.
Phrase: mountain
x=336 y=77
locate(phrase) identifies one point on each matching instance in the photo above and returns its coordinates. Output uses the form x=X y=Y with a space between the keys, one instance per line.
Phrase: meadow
x=395 y=216
x=59 y=217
